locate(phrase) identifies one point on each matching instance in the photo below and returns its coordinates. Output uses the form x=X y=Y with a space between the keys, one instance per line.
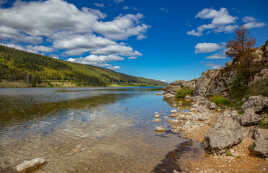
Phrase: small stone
x=160 y=129
x=157 y=116
x=27 y=166
x=173 y=111
x=157 y=120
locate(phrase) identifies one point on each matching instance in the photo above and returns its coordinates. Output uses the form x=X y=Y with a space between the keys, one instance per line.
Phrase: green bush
x=181 y=93
x=239 y=86
x=220 y=100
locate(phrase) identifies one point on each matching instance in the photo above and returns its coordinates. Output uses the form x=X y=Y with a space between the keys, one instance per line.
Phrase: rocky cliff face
x=218 y=81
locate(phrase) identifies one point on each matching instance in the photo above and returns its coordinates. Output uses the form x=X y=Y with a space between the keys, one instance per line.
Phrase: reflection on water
x=86 y=130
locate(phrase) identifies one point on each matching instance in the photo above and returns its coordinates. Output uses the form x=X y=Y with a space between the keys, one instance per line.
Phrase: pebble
x=157 y=120
x=28 y=165
x=160 y=129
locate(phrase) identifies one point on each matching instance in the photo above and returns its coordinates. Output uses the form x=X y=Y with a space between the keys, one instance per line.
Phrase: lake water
x=88 y=130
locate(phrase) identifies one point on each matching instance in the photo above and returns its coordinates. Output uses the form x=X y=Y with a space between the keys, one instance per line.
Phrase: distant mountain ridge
x=23 y=69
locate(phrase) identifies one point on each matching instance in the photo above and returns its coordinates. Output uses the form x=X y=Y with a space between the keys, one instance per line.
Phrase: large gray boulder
x=260 y=145
x=225 y=133
x=250 y=118
x=257 y=103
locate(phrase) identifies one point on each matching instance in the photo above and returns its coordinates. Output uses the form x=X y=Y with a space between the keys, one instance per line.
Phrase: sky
x=160 y=39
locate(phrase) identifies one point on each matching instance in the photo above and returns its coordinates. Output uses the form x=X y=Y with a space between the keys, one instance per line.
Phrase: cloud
x=207 y=47
x=220 y=17
x=93 y=59
x=164 y=10
x=118 y=1
x=216 y=56
x=213 y=66
x=221 y=21
x=248 y=19
x=98 y=60
x=251 y=22
x=125 y=8
x=40 y=48
x=122 y=27
x=132 y=57
x=101 y=5
x=59 y=27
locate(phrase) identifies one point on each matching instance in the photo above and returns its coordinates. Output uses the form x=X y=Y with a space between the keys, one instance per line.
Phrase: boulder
x=257 y=103
x=260 y=145
x=250 y=118
x=170 y=90
x=28 y=166
x=225 y=133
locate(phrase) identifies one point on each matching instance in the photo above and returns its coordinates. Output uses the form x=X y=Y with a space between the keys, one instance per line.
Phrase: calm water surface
x=84 y=130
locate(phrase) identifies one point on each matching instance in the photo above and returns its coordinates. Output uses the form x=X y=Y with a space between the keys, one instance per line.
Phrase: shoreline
x=195 y=124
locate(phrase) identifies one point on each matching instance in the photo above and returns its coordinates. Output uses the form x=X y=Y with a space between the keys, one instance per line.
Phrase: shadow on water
x=21 y=108
x=171 y=162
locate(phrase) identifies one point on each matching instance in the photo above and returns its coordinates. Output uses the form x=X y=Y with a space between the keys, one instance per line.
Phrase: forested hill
x=23 y=69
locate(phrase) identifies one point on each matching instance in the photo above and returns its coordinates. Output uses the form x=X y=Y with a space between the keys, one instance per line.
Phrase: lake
x=87 y=130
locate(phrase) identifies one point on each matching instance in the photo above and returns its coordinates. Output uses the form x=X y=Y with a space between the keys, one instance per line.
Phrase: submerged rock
x=260 y=145
x=250 y=118
x=225 y=133
x=31 y=165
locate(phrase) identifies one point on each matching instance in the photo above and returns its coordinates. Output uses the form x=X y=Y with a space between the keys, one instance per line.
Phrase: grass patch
x=181 y=93
x=264 y=124
x=220 y=100
x=228 y=153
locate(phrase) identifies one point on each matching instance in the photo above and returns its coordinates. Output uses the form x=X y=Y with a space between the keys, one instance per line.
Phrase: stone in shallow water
x=173 y=115
x=160 y=129
x=27 y=166
x=157 y=120
x=157 y=116
x=173 y=111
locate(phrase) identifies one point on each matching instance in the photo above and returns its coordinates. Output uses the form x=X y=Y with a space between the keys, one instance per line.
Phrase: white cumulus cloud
x=207 y=47
x=221 y=21
x=59 y=26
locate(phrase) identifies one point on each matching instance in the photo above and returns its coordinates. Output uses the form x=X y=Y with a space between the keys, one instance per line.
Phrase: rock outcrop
x=257 y=103
x=170 y=90
x=203 y=83
x=250 y=118
x=260 y=145
x=218 y=81
x=225 y=133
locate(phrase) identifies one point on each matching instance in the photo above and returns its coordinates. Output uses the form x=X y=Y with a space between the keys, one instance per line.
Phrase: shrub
x=181 y=93
x=220 y=100
x=238 y=86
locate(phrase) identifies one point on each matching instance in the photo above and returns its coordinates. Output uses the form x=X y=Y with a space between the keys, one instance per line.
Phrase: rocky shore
x=232 y=141
x=235 y=137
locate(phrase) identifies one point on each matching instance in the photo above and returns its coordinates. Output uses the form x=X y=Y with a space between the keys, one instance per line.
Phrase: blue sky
x=161 y=39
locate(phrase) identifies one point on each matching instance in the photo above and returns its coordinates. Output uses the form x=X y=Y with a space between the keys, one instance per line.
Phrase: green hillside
x=23 y=69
